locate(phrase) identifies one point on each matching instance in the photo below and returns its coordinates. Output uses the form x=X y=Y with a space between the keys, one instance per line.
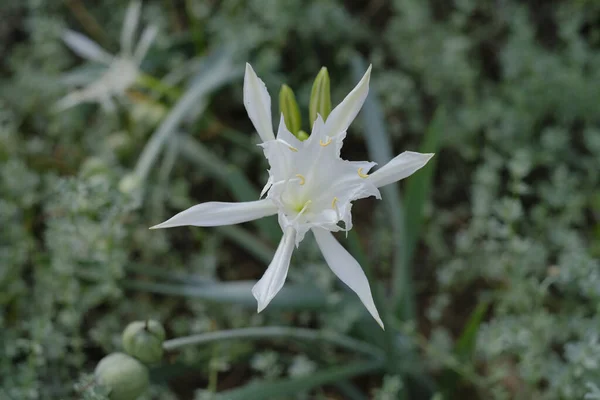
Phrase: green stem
x=276 y=331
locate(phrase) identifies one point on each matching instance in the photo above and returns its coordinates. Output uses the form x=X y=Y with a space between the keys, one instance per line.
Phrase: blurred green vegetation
x=487 y=260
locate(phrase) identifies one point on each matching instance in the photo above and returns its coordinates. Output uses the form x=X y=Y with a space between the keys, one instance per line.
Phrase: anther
x=301 y=177
x=292 y=148
x=334 y=202
x=360 y=173
x=326 y=143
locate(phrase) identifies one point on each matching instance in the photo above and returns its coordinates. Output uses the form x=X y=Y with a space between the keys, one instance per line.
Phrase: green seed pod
x=124 y=376
x=143 y=340
x=290 y=110
x=320 y=97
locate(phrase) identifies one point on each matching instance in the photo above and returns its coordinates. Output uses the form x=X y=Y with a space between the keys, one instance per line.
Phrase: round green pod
x=123 y=375
x=143 y=340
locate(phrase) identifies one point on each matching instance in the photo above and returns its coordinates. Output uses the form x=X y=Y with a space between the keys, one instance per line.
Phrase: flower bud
x=125 y=377
x=290 y=110
x=143 y=340
x=320 y=97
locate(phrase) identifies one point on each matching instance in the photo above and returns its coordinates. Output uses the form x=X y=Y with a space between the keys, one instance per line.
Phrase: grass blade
x=294 y=297
x=217 y=70
x=285 y=388
x=276 y=332
x=379 y=147
x=418 y=187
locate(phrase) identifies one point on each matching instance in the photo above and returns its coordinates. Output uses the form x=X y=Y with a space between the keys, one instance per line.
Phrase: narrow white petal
x=132 y=17
x=145 y=42
x=347 y=269
x=107 y=103
x=217 y=214
x=400 y=167
x=70 y=100
x=86 y=47
x=342 y=116
x=274 y=277
x=284 y=134
x=258 y=104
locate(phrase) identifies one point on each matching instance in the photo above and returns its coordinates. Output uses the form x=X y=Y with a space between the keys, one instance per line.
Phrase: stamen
x=301 y=177
x=326 y=143
x=360 y=173
x=292 y=148
x=304 y=208
x=334 y=202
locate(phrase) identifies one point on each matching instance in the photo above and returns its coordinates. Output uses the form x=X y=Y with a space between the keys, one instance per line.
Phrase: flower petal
x=217 y=214
x=86 y=47
x=68 y=101
x=132 y=17
x=342 y=116
x=284 y=134
x=347 y=269
x=258 y=104
x=145 y=42
x=274 y=277
x=400 y=167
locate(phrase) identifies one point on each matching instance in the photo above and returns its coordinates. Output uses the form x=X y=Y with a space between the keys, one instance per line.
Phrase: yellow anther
x=334 y=202
x=360 y=173
x=292 y=148
x=326 y=143
x=301 y=177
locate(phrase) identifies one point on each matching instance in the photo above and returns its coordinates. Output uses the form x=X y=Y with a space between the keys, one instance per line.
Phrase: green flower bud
x=143 y=340
x=320 y=97
x=290 y=110
x=124 y=376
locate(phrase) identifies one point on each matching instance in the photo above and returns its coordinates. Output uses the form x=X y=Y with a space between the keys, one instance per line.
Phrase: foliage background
x=505 y=272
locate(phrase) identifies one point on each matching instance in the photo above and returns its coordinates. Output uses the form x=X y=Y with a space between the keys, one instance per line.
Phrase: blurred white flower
x=310 y=188
x=122 y=69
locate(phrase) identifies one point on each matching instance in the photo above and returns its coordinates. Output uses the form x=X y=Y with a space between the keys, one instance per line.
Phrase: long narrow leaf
x=217 y=70
x=419 y=185
x=379 y=147
x=287 y=387
x=274 y=332
x=295 y=297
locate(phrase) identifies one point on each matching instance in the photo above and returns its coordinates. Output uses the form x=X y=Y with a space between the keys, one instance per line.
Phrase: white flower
x=310 y=188
x=121 y=71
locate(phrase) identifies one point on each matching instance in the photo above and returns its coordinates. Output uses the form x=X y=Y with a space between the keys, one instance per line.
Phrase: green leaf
x=216 y=71
x=295 y=297
x=379 y=147
x=418 y=186
x=468 y=339
x=285 y=388
x=463 y=349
